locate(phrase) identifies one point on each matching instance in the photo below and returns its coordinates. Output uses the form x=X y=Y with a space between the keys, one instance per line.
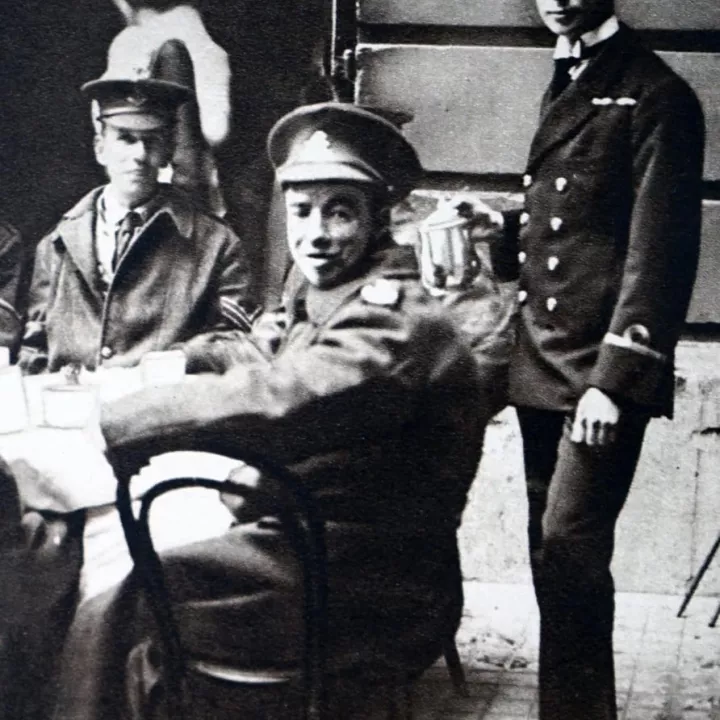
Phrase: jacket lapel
x=561 y=118
x=172 y=217
x=76 y=232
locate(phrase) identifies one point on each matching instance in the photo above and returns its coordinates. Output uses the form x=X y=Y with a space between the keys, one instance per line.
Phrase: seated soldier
x=134 y=266
x=365 y=390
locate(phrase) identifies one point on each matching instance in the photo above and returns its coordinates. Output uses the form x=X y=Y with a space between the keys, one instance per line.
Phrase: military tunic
x=370 y=396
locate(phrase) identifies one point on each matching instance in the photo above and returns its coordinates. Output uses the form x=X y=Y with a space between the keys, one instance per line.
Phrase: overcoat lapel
x=75 y=232
x=561 y=118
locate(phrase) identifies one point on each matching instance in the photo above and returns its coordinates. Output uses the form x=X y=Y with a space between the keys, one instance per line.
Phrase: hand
x=596 y=419
x=484 y=223
x=261 y=499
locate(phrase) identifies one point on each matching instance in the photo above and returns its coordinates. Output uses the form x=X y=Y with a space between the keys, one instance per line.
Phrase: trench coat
x=184 y=274
x=12 y=265
x=607 y=245
x=370 y=396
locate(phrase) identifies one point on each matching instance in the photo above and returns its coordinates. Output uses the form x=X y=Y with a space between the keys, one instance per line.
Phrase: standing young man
x=135 y=266
x=605 y=251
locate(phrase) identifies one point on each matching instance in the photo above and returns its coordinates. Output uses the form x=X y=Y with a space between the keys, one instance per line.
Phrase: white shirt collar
x=114 y=211
x=565 y=49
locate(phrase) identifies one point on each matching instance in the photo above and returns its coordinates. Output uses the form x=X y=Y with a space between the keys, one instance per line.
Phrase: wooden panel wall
x=475 y=108
x=642 y=14
x=474 y=95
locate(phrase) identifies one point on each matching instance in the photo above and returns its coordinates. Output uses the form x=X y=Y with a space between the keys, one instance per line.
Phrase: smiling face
x=329 y=228
x=132 y=160
x=574 y=17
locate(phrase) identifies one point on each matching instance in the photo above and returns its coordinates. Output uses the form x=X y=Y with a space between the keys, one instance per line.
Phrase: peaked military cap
x=341 y=141
x=136 y=93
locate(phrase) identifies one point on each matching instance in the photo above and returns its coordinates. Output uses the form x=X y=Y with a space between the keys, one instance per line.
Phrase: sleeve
x=33 y=357
x=504 y=250
x=12 y=266
x=353 y=381
x=232 y=308
x=663 y=246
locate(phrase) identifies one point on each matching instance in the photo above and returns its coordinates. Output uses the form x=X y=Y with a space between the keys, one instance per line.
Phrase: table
x=62 y=470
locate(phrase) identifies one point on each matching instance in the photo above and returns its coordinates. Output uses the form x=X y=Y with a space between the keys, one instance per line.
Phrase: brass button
x=556 y=223
x=561 y=184
x=106 y=352
x=527 y=180
x=522 y=257
x=551 y=304
x=524 y=218
x=552 y=262
x=522 y=296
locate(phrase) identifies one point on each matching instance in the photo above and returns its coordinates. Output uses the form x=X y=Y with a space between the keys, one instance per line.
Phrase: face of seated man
x=330 y=226
x=132 y=159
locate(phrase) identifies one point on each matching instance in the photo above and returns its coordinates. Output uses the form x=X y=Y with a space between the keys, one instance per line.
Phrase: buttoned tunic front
x=185 y=273
x=607 y=244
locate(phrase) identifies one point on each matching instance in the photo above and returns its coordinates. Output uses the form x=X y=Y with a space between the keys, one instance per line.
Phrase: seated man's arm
x=233 y=310
x=33 y=357
x=12 y=264
x=354 y=380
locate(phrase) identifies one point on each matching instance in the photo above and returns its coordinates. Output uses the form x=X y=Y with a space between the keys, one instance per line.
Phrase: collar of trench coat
x=76 y=228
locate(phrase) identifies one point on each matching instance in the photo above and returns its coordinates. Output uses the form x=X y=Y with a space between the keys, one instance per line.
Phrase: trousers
x=575 y=495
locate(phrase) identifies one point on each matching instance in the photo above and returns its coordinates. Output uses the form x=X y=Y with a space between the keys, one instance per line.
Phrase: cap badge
x=381 y=292
x=318 y=142
x=137 y=98
x=141 y=72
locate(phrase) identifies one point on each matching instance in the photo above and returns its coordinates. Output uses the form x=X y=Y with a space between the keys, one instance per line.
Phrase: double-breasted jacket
x=606 y=247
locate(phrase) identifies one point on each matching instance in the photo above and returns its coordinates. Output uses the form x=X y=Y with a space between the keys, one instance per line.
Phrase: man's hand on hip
x=596 y=419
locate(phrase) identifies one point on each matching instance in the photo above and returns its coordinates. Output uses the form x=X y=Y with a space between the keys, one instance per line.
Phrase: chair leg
x=696 y=580
x=715 y=617
x=455 y=668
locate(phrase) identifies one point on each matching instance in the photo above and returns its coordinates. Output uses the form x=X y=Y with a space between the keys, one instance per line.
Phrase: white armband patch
x=626 y=342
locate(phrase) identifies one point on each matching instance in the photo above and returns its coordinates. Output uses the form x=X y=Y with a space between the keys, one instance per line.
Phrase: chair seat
x=240 y=676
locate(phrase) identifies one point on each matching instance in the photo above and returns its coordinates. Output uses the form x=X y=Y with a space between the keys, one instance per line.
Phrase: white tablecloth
x=63 y=470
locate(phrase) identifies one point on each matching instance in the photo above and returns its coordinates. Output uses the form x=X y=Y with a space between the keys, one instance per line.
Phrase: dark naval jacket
x=370 y=395
x=607 y=246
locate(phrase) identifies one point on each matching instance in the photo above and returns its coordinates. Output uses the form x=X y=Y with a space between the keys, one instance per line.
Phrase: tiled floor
x=667 y=668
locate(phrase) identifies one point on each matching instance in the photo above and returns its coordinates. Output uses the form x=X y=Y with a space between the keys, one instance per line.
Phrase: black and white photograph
x=360 y=360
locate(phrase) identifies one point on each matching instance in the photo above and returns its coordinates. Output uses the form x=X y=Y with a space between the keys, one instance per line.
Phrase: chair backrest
x=307 y=530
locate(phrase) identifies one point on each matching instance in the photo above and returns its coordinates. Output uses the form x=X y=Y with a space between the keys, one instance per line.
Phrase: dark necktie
x=561 y=77
x=126 y=230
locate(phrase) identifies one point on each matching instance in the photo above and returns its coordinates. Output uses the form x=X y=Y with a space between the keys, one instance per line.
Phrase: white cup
x=163 y=367
x=69 y=406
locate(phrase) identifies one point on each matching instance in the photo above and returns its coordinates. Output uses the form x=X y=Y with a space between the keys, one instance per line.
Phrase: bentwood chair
x=281 y=695
x=696 y=581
